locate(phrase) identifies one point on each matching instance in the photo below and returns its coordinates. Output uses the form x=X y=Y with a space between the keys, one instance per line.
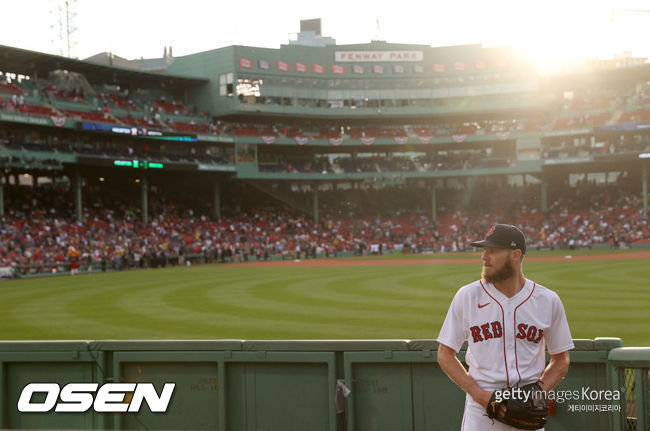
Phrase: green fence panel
x=337 y=348
x=381 y=392
x=22 y=363
x=195 y=403
x=219 y=386
x=402 y=390
x=197 y=369
x=281 y=391
x=588 y=372
x=630 y=369
x=437 y=402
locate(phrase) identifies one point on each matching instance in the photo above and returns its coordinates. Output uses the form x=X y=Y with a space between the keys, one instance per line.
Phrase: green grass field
x=602 y=299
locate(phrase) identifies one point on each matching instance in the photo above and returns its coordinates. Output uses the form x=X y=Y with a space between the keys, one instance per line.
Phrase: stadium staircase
x=337 y=169
x=277 y=192
x=616 y=117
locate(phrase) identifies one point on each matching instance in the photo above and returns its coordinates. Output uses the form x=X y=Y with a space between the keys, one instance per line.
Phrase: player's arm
x=555 y=371
x=452 y=366
x=558 y=340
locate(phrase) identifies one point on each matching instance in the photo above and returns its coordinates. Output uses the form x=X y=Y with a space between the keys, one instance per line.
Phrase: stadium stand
x=251 y=163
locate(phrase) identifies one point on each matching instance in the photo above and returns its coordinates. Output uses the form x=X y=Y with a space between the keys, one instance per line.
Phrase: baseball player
x=508 y=321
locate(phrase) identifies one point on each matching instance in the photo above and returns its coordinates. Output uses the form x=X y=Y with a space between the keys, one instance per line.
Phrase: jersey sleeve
x=558 y=338
x=453 y=333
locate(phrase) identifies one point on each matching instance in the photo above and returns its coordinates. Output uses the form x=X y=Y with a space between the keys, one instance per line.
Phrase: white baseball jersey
x=506 y=336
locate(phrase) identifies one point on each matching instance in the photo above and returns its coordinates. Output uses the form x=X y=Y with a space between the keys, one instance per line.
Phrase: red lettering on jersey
x=486 y=331
x=532 y=333
x=496 y=329
x=540 y=334
x=476 y=334
x=522 y=330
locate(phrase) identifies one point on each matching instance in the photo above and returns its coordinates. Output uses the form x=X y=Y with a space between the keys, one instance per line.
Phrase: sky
x=548 y=31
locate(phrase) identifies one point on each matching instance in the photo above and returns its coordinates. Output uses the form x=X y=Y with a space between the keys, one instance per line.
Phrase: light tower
x=63 y=26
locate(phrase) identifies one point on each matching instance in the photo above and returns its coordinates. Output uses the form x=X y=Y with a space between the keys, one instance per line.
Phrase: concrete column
x=217 y=201
x=144 y=196
x=544 y=197
x=644 y=189
x=2 y=196
x=78 y=204
x=434 y=209
x=316 y=204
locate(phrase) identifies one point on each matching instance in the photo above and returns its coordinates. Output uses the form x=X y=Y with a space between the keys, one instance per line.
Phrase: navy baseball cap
x=503 y=236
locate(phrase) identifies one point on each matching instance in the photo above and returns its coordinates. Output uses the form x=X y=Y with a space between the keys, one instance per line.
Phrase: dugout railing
x=298 y=385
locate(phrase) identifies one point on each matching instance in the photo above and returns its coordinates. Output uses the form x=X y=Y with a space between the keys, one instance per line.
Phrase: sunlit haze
x=548 y=32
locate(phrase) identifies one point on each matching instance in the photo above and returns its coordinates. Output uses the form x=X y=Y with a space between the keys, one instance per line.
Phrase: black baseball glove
x=526 y=407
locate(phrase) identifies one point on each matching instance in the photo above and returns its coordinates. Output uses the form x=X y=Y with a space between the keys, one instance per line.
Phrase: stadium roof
x=26 y=62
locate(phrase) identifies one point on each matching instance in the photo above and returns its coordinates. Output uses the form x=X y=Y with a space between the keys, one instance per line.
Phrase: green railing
x=630 y=371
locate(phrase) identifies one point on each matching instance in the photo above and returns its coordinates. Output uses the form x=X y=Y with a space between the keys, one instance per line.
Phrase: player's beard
x=503 y=273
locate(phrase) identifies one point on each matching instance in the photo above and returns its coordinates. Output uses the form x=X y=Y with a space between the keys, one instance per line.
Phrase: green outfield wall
x=299 y=385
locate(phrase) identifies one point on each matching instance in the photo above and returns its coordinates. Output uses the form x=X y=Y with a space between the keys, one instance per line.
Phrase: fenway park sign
x=378 y=56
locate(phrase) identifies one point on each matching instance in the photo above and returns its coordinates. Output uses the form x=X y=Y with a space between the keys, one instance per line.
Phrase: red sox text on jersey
x=494 y=330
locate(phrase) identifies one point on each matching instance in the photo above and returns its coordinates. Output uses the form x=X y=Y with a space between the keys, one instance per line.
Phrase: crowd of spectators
x=433 y=161
x=152 y=108
x=117 y=147
x=562 y=147
x=160 y=114
x=282 y=164
x=38 y=235
x=107 y=104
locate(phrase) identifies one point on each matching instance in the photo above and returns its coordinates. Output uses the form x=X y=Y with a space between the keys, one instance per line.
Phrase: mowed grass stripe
x=98 y=310
x=132 y=306
x=87 y=301
x=39 y=309
x=602 y=298
x=591 y=273
x=353 y=293
x=272 y=301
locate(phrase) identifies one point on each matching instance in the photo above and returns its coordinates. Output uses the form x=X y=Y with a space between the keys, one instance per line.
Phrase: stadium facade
x=443 y=123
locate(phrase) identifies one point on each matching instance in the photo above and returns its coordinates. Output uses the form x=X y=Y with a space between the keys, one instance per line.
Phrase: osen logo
x=108 y=398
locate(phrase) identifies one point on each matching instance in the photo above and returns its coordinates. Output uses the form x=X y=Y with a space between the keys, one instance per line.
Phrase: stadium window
x=597 y=177
x=248 y=87
x=226 y=84
x=612 y=177
x=26 y=180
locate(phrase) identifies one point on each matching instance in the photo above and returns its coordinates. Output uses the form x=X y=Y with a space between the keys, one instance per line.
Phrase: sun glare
x=559 y=35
